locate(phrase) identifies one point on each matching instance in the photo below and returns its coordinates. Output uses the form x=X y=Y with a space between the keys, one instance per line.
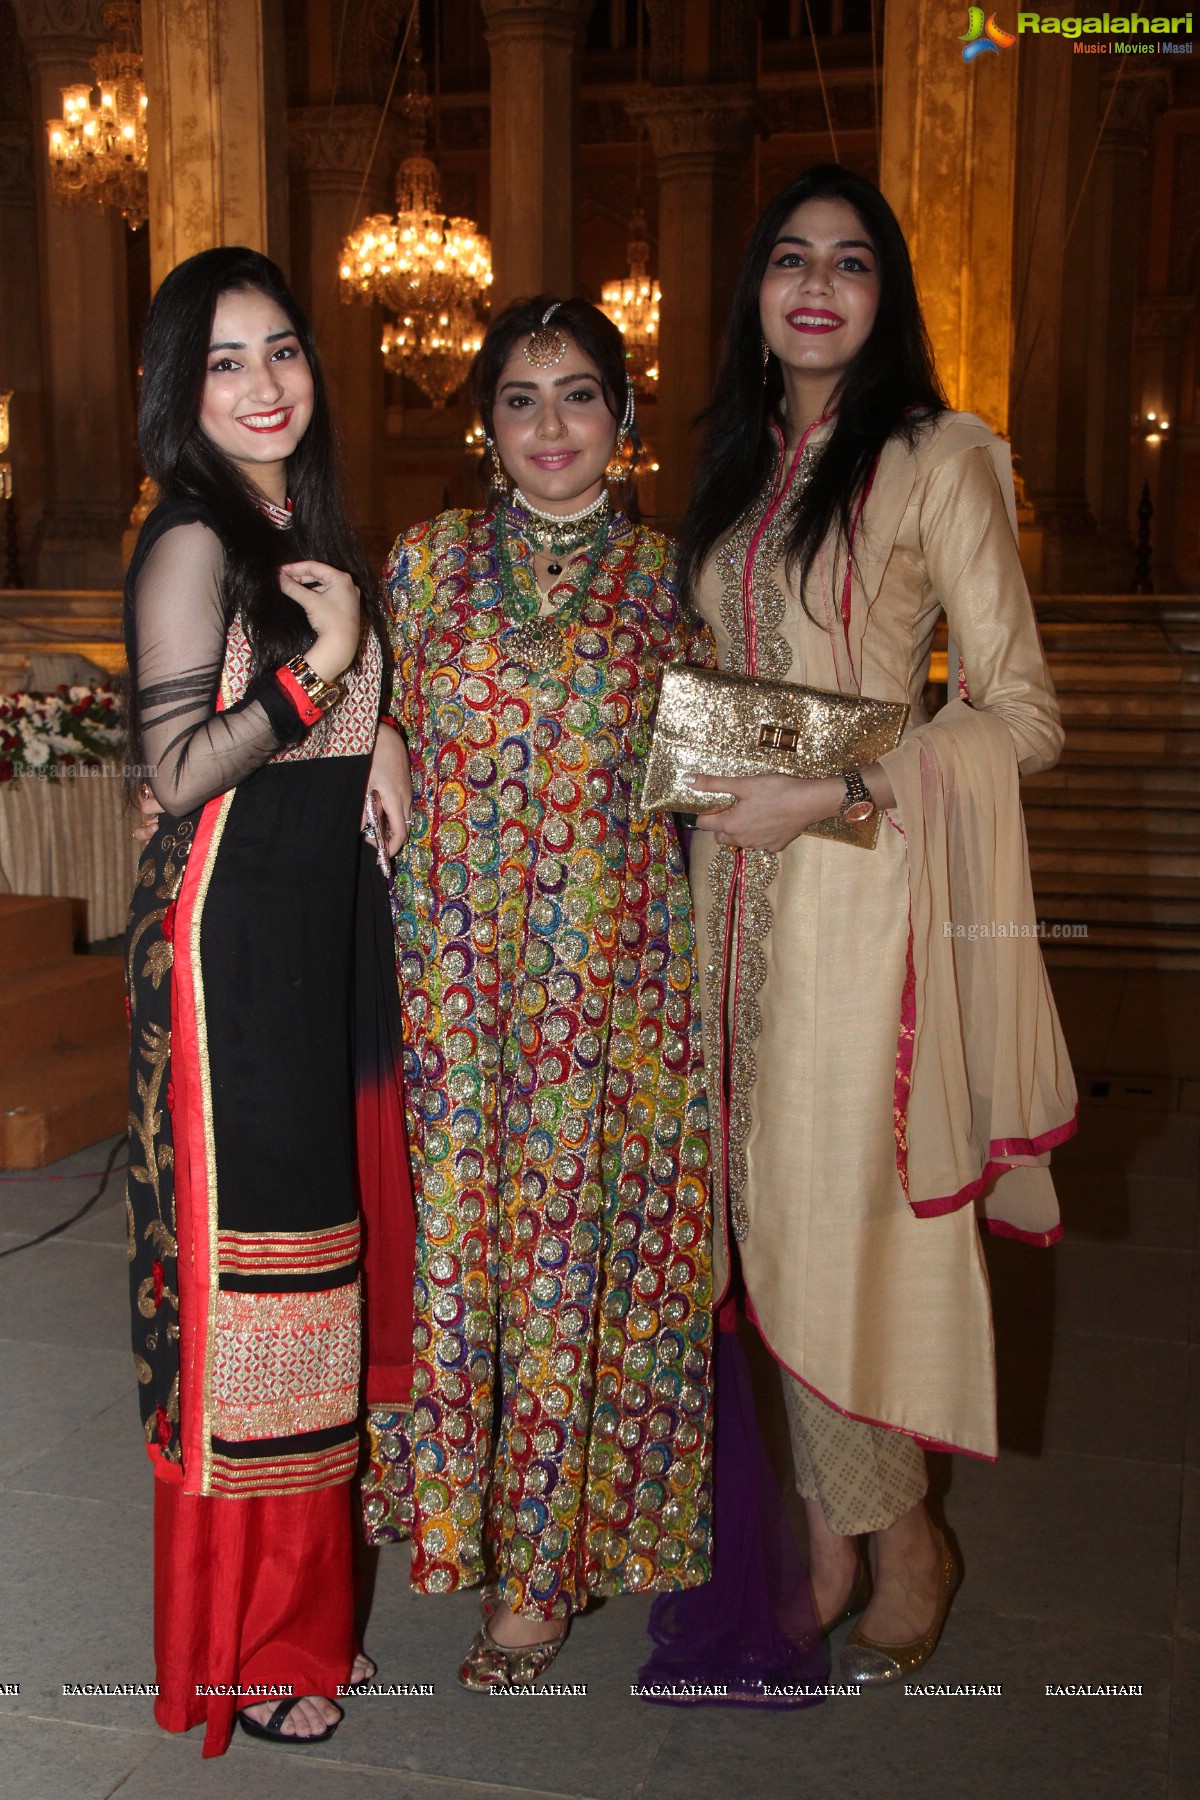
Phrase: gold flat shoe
x=488 y=1664
x=871 y=1664
x=860 y=1594
x=489 y=1596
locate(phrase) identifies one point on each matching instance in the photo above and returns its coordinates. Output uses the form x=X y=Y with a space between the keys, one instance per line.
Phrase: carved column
x=1162 y=323
x=1130 y=105
x=328 y=152
x=20 y=306
x=1054 y=355
x=535 y=48
x=218 y=118
x=88 y=384
x=948 y=158
x=701 y=138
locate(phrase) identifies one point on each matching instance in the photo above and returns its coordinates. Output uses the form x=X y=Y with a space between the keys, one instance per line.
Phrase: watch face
x=858 y=811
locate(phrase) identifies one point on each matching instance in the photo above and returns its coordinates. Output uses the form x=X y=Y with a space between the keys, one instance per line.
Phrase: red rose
x=6 y=773
x=168 y=924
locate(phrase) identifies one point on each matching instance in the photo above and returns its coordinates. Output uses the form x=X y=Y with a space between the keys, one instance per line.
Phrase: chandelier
x=632 y=304
x=431 y=271
x=434 y=352
x=98 y=151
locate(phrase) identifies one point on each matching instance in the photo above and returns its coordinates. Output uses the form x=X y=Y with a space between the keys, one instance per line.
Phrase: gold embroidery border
x=752 y=916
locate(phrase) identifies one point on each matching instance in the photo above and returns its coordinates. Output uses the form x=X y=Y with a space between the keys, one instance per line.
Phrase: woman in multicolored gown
x=553 y=1062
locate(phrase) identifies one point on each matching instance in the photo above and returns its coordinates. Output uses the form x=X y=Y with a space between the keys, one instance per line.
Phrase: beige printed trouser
x=865 y=1476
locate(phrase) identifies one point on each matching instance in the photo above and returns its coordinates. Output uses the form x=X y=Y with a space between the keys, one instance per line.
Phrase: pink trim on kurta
x=925 y=1443
x=1040 y=1239
x=191 y=1164
x=1001 y=1152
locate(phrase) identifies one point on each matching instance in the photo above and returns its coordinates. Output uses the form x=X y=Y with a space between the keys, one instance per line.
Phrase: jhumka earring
x=766 y=358
x=616 y=471
x=499 y=475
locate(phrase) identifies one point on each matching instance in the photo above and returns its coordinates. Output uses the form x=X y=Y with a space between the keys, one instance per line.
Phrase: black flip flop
x=273 y=1730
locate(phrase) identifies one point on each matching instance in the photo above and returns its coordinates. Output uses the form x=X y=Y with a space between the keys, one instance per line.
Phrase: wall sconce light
x=5 y=467
x=1154 y=429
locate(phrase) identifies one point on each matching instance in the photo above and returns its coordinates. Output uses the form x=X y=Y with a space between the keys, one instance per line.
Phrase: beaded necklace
x=539 y=643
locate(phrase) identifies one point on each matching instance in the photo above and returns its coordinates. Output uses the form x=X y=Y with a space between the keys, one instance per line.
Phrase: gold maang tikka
x=546 y=348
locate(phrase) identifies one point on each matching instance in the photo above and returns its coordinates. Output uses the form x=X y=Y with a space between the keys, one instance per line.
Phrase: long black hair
x=595 y=333
x=890 y=388
x=187 y=466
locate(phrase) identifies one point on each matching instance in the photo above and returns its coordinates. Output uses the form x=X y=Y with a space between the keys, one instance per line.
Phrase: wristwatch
x=858 y=805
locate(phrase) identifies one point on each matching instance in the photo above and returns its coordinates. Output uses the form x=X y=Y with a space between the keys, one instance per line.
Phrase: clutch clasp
x=778 y=737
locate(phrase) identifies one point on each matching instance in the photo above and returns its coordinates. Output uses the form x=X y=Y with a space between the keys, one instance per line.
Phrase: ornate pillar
x=215 y=80
x=535 y=48
x=701 y=138
x=1054 y=353
x=947 y=167
x=20 y=307
x=1129 y=105
x=1162 y=323
x=88 y=383
x=328 y=151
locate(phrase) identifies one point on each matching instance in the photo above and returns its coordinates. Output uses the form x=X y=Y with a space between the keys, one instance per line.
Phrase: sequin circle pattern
x=555 y=1084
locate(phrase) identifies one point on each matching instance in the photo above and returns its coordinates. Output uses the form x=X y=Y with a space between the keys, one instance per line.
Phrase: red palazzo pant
x=249 y=1592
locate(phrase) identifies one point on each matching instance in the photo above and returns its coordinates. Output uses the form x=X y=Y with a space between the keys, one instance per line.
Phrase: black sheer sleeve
x=193 y=751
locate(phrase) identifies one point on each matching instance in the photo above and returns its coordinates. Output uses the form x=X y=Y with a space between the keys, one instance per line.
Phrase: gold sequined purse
x=712 y=723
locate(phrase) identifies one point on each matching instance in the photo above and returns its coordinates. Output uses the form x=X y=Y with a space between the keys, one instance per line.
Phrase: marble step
x=1049 y=815
x=61 y=1100
x=68 y=1003
x=1174 y=708
x=1090 y=853
x=1117 y=740
x=1170 y=901
x=34 y=930
x=1110 y=782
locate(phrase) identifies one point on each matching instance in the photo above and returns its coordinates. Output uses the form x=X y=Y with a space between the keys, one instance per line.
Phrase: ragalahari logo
x=984 y=38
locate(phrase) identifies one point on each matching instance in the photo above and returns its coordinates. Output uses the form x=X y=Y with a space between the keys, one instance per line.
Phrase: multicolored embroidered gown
x=555 y=1085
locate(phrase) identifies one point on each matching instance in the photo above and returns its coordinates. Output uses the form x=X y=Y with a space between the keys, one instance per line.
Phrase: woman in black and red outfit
x=262 y=992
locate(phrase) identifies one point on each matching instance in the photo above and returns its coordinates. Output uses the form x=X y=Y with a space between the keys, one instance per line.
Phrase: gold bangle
x=321 y=694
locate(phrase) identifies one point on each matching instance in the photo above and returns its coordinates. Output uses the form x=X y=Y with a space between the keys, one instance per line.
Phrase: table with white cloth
x=71 y=836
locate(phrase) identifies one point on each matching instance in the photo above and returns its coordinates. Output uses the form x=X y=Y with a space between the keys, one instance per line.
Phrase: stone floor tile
x=45 y=1760
x=76 y=1579
x=1082 y=1544
x=1187 y=1614
x=1185 y=1723
x=1154 y=1032
x=47 y=1391
x=1191 y=1449
x=1106 y=1396
x=103 y=1459
x=887 y=1743
x=1122 y=1290
x=1103 y=1203
x=67 y=1292
x=1088 y=1003
x=173 y=1771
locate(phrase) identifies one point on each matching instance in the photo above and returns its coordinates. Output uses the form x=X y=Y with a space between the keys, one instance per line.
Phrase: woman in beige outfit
x=885 y=1060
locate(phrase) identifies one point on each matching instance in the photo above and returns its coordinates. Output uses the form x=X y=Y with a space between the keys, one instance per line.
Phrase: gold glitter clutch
x=712 y=723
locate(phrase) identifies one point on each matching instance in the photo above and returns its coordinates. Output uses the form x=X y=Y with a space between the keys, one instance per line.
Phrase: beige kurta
x=888 y=1076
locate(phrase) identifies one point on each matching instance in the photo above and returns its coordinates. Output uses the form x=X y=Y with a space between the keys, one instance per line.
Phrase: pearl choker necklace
x=558 y=520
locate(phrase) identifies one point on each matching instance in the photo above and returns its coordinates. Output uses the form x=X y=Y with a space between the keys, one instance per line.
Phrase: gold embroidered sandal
x=872 y=1664
x=488 y=1664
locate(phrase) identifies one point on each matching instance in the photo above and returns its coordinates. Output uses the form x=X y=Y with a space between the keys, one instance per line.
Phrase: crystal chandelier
x=430 y=270
x=632 y=304
x=98 y=151
x=434 y=352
